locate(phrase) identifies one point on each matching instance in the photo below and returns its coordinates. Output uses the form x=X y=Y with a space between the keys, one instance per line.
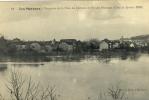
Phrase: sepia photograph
x=74 y=50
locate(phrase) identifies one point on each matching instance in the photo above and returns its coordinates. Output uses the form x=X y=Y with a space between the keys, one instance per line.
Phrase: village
x=69 y=46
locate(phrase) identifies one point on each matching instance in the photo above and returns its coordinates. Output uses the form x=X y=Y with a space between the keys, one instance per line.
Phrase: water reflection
x=101 y=57
x=27 y=64
x=81 y=77
x=3 y=67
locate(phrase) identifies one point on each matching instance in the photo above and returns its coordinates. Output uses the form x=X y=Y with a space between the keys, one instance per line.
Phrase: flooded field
x=85 y=79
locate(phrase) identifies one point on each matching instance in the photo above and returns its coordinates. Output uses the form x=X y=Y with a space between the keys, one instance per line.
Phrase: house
x=69 y=41
x=105 y=45
x=21 y=47
x=65 y=47
x=115 y=44
x=68 y=45
x=132 y=45
x=141 y=44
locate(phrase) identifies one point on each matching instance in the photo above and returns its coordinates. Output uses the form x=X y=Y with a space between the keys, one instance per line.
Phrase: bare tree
x=116 y=93
x=21 y=88
x=113 y=92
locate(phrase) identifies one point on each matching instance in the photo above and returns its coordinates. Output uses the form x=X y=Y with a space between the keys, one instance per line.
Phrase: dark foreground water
x=86 y=79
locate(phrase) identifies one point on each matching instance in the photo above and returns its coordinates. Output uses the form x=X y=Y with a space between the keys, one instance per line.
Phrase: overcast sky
x=81 y=24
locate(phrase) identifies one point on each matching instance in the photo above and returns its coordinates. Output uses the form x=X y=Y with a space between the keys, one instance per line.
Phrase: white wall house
x=116 y=45
x=132 y=45
x=103 y=45
x=21 y=47
x=141 y=44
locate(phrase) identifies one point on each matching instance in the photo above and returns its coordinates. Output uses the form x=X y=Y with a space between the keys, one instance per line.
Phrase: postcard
x=74 y=49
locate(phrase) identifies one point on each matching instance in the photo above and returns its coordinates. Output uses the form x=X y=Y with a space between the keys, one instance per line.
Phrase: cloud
x=106 y=11
x=73 y=23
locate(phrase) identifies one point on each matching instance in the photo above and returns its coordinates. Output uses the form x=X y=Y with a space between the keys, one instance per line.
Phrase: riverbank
x=59 y=56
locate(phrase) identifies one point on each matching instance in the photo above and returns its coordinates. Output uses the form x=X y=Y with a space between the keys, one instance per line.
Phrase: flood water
x=87 y=78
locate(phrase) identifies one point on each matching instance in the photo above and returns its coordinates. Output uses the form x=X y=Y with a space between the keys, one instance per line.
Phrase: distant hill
x=141 y=37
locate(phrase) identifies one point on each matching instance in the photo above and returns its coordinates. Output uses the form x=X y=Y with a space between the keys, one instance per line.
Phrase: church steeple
x=53 y=41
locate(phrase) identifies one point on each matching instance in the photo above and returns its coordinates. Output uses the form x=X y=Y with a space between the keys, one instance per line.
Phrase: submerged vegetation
x=113 y=92
x=22 y=88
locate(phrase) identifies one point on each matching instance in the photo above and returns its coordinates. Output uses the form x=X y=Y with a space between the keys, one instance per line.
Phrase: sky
x=82 y=24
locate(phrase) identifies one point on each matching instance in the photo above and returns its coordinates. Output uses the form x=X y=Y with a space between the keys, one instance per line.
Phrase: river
x=86 y=79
